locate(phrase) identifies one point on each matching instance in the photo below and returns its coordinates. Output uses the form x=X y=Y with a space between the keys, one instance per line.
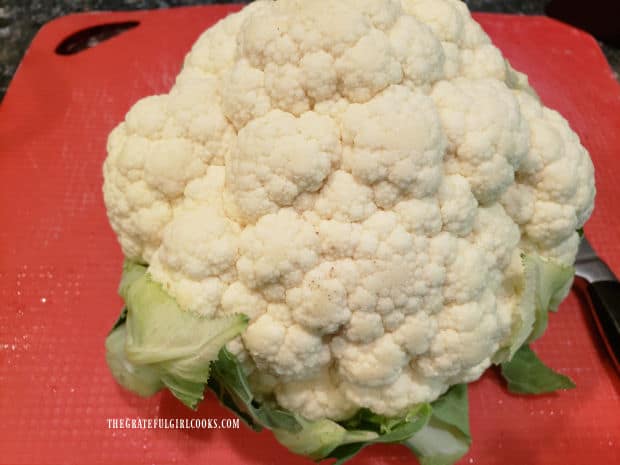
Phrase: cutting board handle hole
x=92 y=36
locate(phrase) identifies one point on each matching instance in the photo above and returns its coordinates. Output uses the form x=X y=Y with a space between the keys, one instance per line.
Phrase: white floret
x=320 y=302
x=465 y=268
x=558 y=173
x=364 y=327
x=468 y=334
x=344 y=199
x=486 y=133
x=394 y=144
x=264 y=264
x=197 y=258
x=283 y=348
x=408 y=389
x=443 y=17
x=497 y=235
x=419 y=52
x=458 y=205
x=200 y=242
x=277 y=158
x=415 y=333
x=420 y=216
x=338 y=239
x=239 y=299
x=316 y=398
x=376 y=363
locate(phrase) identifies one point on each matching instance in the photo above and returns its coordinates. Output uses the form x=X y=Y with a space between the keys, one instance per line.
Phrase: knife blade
x=604 y=291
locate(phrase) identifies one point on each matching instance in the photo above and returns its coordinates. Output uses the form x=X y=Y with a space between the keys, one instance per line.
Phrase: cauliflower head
x=359 y=178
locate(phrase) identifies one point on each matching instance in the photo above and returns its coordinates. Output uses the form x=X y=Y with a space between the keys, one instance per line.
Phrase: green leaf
x=317 y=439
x=120 y=320
x=131 y=272
x=438 y=444
x=553 y=283
x=161 y=339
x=527 y=374
x=545 y=284
x=388 y=430
x=188 y=392
x=453 y=408
x=527 y=308
x=231 y=385
x=180 y=344
x=446 y=437
x=143 y=380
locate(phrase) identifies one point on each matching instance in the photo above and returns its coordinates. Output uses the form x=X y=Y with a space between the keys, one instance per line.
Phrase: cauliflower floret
x=497 y=235
x=265 y=265
x=239 y=299
x=344 y=199
x=316 y=398
x=358 y=177
x=373 y=364
x=278 y=157
x=197 y=258
x=364 y=326
x=285 y=349
x=408 y=389
x=458 y=205
x=468 y=334
x=486 y=133
x=320 y=302
x=420 y=216
x=394 y=144
x=419 y=52
x=557 y=172
x=338 y=239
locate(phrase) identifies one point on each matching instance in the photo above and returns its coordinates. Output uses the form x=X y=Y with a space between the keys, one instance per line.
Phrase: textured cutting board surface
x=60 y=263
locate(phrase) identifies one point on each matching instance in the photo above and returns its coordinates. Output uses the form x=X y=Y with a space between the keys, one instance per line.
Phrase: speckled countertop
x=21 y=19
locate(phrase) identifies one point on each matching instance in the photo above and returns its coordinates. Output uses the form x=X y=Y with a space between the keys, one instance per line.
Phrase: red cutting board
x=60 y=263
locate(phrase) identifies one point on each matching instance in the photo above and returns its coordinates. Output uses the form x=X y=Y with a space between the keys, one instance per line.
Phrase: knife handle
x=605 y=296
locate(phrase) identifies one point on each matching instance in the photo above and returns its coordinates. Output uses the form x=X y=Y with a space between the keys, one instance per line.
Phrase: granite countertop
x=20 y=20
